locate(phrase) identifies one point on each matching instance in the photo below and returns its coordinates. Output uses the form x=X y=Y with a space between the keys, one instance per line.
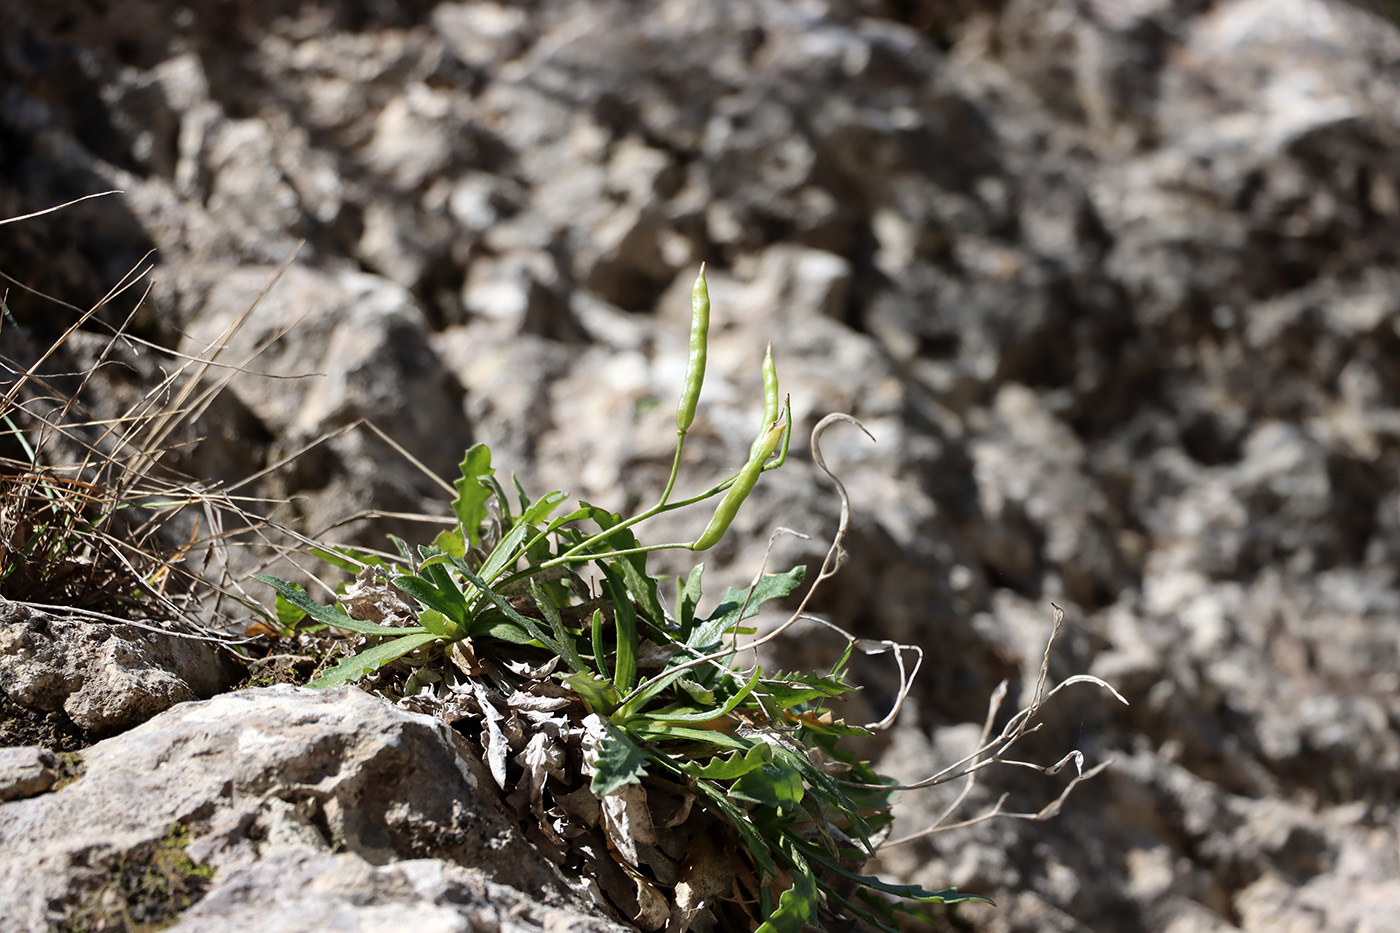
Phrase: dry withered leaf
x=496 y=747
x=706 y=873
x=627 y=821
x=580 y=805
x=550 y=845
x=372 y=599
x=602 y=867
x=541 y=758
x=528 y=671
x=534 y=702
x=669 y=810
x=463 y=657
x=653 y=909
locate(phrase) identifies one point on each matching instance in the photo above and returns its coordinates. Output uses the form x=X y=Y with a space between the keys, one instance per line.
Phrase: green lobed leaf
x=739 y=605
x=606 y=520
x=797 y=908
x=494 y=624
x=525 y=623
x=829 y=791
x=673 y=715
x=788 y=689
x=699 y=696
x=330 y=616
x=556 y=582
x=472 y=491
x=624 y=627
x=577 y=515
x=620 y=762
x=508 y=551
x=650 y=690
x=451 y=542
x=660 y=731
x=736 y=765
x=599 y=694
x=432 y=556
x=600 y=654
x=633 y=567
x=440 y=625
x=875 y=911
x=562 y=635
x=371 y=660
x=455 y=599
x=771 y=785
x=537 y=548
x=643 y=587
x=834 y=728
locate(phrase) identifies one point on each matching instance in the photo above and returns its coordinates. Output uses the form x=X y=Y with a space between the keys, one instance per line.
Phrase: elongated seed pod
x=781 y=458
x=770 y=396
x=699 y=343
x=770 y=387
x=743 y=485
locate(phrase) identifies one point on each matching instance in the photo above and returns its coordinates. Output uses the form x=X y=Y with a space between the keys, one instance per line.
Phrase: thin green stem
x=579 y=553
x=675 y=471
x=647 y=549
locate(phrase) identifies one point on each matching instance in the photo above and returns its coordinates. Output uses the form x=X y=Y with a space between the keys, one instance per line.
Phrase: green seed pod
x=743 y=485
x=770 y=397
x=781 y=458
x=699 y=337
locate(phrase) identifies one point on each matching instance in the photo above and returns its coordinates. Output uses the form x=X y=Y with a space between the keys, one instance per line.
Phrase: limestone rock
x=1111 y=281
x=265 y=786
x=105 y=676
x=26 y=771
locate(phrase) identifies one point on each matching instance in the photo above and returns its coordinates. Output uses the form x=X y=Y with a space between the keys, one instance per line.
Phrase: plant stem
x=675 y=471
x=579 y=552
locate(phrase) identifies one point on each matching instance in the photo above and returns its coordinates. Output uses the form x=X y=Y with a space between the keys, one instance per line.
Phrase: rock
x=1061 y=506
x=1111 y=283
x=262 y=787
x=106 y=676
x=340 y=347
x=324 y=352
x=299 y=890
x=26 y=771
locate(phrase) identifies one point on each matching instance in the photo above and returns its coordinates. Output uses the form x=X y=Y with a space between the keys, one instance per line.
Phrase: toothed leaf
x=620 y=762
x=472 y=491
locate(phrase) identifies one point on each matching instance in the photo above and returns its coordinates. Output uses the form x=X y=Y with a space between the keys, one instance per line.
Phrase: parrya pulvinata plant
x=634 y=745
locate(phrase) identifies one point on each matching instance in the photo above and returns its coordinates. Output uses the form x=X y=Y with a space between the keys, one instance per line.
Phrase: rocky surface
x=105 y=677
x=1111 y=282
x=305 y=810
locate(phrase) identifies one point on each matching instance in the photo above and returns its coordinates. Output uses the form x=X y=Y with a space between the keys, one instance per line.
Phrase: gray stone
x=1111 y=281
x=26 y=771
x=106 y=676
x=268 y=783
x=302 y=890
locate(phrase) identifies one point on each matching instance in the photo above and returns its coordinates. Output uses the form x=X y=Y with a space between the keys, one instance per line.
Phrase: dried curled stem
x=991 y=751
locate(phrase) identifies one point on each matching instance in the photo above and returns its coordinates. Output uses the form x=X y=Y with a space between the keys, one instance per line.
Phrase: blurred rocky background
x=1114 y=283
